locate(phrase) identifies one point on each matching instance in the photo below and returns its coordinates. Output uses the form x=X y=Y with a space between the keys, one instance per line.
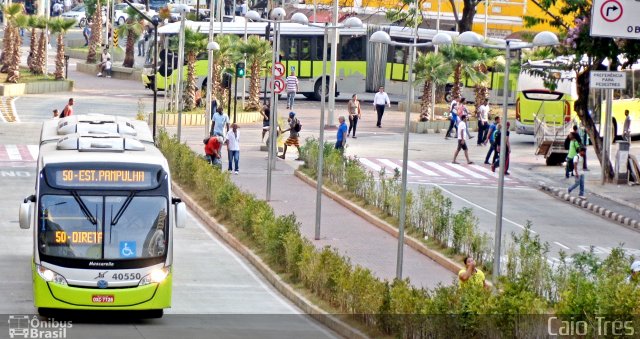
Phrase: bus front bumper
x=149 y=297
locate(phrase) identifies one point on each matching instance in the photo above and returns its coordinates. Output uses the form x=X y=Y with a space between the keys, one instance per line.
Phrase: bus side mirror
x=181 y=214
x=26 y=212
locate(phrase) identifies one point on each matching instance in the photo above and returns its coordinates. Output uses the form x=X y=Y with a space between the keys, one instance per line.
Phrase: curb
x=408 y=240
x=274 y=279
x=598 y=210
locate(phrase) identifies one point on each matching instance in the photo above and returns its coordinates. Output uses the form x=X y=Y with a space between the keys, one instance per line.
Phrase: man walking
x=342 y=134
x=453 y=118
x=578 y=162
x=292 y=89
x=462 y=140
x=219 y=122
x=380 y=100
x=483 y=122
x=491 y=139
x=233 y=145
x=294 y=132
x=626 y=129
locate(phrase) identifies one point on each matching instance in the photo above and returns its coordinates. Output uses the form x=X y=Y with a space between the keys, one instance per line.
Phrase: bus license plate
x=102 y=299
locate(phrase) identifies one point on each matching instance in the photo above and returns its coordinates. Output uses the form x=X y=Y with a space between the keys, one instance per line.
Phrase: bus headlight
x=156 y=276
x=50 y=276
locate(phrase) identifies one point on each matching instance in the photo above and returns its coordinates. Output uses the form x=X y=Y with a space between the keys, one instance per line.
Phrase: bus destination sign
x=110 y=178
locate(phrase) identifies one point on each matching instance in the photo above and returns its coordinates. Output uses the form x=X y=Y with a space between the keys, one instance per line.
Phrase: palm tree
x=40 y=56
x=96 y=34
x=60 y=26
x=486 y=58
x=432 y=69
x=10 y=12
x=13 y=71
x=258 y=52
x=223 y=59
x=194 y=44
x=33 y=42
x=132 y=29
x=464 y=58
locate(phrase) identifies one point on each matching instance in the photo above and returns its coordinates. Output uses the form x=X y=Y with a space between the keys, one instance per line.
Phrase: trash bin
x=622 y=159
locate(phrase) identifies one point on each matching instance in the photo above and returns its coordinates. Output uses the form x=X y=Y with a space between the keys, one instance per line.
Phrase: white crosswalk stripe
x=18 y=153
x=441 y=172
x=393 y=166
x=445 y=171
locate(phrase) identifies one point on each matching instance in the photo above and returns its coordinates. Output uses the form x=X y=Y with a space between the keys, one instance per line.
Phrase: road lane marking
x=421 y=169
x=392 y=165
x=561 y=245
x=466 y=171
x=482 y=208
x=13 y=152
x=34 y=150
x=442 y=169
x=488 y=172
x=370 y=164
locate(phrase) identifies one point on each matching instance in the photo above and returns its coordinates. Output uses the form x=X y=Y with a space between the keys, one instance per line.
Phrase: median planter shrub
x=581 y=289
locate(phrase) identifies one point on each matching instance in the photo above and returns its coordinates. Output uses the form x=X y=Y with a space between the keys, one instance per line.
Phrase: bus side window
x=305 y=49
x=351 y=48
x=320 y=46
x=292 y=50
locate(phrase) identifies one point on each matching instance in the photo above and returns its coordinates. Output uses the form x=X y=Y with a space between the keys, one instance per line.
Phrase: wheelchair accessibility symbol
x=127 y=249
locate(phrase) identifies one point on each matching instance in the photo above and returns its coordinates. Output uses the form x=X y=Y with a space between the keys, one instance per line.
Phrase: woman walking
x=354 y=114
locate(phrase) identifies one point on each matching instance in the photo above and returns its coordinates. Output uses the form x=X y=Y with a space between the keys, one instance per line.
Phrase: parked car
x=79 y=14
x=121 y=12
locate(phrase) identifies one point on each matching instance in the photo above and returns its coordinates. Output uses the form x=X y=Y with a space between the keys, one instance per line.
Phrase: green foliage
x=582 y=289
x=432 y=67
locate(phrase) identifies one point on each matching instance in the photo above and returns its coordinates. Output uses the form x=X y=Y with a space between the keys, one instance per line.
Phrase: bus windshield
x=102 y=227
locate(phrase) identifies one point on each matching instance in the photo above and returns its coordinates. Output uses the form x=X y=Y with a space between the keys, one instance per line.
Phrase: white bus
x=361 y=66
x=102 y=217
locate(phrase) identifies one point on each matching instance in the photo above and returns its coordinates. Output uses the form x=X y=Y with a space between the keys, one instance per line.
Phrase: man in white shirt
x=380 y=100
x=233 y=145
x=626 y=129
x=103 y=61
x=462 y=140
x=292 y=89
x=483 y=122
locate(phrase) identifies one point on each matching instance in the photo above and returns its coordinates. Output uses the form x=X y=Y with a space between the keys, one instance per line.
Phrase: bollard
x=622 y=159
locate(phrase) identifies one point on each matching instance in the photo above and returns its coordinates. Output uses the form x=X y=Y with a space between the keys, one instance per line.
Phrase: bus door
x=398 y=63
x=297 y=56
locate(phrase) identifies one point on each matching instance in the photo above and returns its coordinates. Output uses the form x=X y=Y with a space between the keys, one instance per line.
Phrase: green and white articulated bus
x=360 y=66
x=102 y=217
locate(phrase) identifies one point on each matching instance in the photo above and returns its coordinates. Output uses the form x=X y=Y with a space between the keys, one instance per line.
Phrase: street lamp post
x=383 y=37
x=476 y=40
x=276 y=16
x=351 y=22
x=183 y=10
x=211 y=46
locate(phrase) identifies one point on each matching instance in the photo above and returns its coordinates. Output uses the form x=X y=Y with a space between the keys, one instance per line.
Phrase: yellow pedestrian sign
x=115 y=37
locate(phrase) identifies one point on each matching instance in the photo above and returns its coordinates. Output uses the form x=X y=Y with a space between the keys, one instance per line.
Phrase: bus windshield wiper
x=84 y=208
x=116 y=218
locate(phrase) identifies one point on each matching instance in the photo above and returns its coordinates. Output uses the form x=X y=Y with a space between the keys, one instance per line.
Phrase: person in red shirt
x=68 y=109
x=212 y=150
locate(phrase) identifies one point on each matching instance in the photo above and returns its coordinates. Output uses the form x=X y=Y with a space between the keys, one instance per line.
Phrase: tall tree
x=194 y=44
x=411 y=15
x=19 y=22
x=258 y=52
x=223 y=59
x=40 y=57
x=132 y=29
x=464 y=58
x=432 y=69
x=60 y=27
x=486 y=58
x=574 y=25
x=33 y=42
x=96 y=34
x=10 y=12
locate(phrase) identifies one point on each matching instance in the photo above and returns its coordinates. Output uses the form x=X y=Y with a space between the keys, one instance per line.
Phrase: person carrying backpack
x=507 y=152
x=453 y=120
x=491 y=139
x=294 y=132
x=574 y=146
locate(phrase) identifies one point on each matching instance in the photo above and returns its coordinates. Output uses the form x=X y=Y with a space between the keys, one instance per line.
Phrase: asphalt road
x=215 y=291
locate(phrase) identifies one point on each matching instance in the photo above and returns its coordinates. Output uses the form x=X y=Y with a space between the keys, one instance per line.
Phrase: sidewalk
x=352 y=236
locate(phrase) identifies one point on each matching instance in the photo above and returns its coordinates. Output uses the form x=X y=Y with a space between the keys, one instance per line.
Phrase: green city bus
x=102 y=217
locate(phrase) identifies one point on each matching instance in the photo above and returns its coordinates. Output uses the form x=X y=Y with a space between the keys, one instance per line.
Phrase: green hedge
x=580 y=288
x=429 y=213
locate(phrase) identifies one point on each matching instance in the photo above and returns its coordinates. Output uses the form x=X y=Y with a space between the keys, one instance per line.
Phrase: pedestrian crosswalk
x=18 y=153
x=440 y=172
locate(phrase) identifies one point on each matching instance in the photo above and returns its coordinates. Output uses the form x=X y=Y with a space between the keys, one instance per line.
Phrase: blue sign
x=127 y=249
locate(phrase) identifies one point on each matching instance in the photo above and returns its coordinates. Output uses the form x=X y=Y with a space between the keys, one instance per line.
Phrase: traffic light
x=226 y=80
x=240 y=70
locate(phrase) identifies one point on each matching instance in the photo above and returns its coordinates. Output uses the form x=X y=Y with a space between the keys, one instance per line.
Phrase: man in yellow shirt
x=470 y=274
